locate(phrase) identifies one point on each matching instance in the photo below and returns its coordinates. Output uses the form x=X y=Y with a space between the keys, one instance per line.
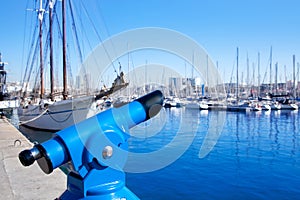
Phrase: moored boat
x=47 y=113
x=192 y=105
x=6 y=103
x=243 y=107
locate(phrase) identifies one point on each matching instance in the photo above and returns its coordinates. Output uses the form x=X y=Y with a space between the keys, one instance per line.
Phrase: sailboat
x=237 y=104
x=52 y=113
x=3 y=90
x=283 y=101
x=6 y=103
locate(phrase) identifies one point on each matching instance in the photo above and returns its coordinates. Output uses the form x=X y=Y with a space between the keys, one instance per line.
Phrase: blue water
x=246 y=155
x=256 y=156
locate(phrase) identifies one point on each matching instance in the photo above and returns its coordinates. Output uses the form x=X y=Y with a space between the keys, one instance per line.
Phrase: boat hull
x=192 y=105
x=58 y=115
x=243 y=108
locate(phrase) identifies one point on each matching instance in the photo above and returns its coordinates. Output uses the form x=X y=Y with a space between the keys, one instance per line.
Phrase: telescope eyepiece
x=27 y=157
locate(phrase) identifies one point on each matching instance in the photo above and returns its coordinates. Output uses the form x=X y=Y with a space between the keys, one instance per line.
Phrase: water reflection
x=237 y=141
x=253 y=152
x=215 y=126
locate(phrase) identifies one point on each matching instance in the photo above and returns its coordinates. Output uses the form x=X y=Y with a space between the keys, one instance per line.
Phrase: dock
x=19 y=182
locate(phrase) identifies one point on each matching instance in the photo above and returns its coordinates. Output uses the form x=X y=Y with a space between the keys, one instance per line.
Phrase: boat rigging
x=50 y=112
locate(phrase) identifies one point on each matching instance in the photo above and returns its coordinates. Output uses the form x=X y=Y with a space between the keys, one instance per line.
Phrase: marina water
x=253 y=155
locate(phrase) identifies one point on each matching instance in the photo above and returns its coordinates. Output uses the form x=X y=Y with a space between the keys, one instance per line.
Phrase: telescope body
x=95 y=150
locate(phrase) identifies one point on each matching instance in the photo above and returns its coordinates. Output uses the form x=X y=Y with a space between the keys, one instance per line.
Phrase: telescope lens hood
x=44 y=161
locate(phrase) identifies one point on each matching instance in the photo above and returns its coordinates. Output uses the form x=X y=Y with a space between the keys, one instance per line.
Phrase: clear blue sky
x=219 y=26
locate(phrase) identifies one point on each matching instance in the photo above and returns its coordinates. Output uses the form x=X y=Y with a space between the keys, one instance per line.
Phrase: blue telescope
x=95 y=150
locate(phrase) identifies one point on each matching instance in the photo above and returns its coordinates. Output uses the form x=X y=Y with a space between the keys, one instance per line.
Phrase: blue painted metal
x=92 y=175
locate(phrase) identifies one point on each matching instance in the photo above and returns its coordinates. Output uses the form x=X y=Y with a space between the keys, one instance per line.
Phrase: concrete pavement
x=19 y=182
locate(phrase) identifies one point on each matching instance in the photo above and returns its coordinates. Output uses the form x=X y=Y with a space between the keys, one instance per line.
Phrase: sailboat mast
x=64 y=51
x=237 y=74
x=217 y=75
x=297 y=89
x=276 y=76
x=271 y=70
x=258 y=72
x=248 y=73
x=51 y=51
x=247 y=76
x=285 y=78
x=206 y=84
x=253 y=79
x=40 y=15
x=294 y=76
